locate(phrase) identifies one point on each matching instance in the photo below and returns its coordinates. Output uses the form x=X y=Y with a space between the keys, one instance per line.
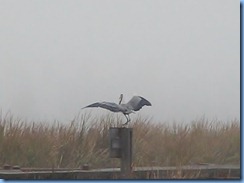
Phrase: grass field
x=85 y=140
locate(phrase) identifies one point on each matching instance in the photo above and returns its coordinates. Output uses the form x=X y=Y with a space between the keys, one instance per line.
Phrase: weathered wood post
x=121 y=147
x=126 y=154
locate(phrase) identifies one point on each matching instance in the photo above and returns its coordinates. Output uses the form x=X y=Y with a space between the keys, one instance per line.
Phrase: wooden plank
x=191 y=171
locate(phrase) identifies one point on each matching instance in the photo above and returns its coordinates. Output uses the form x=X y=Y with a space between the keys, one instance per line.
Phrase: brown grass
x=85 y=140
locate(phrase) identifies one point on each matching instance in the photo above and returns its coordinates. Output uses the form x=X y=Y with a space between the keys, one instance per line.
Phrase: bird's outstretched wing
x=106 y=105
x=137 y=102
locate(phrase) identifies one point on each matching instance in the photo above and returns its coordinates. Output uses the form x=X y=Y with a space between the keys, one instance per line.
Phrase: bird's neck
x=121 y=98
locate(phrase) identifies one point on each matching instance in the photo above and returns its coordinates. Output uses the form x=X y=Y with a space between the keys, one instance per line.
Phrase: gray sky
x=58 y=56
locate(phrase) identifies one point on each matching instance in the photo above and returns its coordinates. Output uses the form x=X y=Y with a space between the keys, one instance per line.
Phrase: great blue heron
x=135 y=104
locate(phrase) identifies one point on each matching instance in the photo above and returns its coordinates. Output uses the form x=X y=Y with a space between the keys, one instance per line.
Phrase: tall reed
x=84 y=140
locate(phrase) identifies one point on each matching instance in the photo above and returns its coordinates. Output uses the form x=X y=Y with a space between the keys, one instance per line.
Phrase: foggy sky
x=58 y=56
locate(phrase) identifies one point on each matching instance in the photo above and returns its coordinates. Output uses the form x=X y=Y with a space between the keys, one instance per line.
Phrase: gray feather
x=137 y=102
x=106 y=105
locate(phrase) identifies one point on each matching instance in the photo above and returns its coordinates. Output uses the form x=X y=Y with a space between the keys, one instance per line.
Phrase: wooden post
x=126 y=153
x=114 y=143
x=121 y=147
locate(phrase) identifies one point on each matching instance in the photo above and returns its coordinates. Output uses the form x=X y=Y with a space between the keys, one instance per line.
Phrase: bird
x=135 y=104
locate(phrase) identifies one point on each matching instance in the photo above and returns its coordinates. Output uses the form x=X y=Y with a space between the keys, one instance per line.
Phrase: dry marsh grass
x=85 y=140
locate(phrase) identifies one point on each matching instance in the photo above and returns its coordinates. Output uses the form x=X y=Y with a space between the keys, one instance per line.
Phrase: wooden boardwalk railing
x=184 y=172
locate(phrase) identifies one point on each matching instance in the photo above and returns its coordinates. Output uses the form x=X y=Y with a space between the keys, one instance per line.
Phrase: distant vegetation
x=85 y=140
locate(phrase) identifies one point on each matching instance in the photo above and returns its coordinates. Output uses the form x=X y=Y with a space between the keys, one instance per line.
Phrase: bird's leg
x=128 y=119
